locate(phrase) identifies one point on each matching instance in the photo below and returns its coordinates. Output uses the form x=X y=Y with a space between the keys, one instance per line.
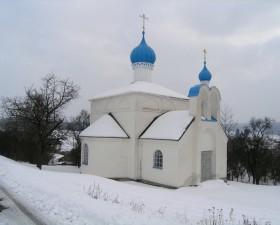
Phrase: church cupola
x=143 y=58
x=204 y=76
x=143 y=53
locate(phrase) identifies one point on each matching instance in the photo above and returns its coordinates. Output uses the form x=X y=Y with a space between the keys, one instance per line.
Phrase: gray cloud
x=90 y=42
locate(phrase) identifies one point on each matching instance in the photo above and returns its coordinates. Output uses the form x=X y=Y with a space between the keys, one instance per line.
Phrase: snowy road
x=15 y=214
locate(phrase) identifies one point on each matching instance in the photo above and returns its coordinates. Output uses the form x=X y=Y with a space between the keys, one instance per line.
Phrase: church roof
x=106 y=126
x=194 y=91
x=168 y=126
x=141 y=87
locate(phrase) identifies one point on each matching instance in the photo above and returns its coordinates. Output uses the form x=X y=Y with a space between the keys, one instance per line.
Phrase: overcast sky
x=90 y=41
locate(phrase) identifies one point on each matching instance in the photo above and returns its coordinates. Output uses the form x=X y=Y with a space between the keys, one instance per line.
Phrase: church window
x=85 y=160
x=158 y=158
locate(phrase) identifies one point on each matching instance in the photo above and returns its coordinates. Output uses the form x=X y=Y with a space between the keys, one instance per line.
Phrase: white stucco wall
x=107 y=157
x=182 y=159
x=211 y=138
x=221 y=154
x=168 y=175
x=134 y=112
x=187 y=146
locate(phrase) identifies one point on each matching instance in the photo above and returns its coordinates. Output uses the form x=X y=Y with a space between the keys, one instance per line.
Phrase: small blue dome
x=143 y=53
x=204 y=75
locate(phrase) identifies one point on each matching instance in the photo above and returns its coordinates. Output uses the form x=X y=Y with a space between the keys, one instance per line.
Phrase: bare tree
x=258 y=144
x=42 y=109
x=227 y=120
x=234 y=167
x=274 y=165
x=76 y=126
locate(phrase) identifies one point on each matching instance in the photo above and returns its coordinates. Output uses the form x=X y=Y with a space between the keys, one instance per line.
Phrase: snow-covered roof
x=168 y=126
x=141 y=87
x=106 y=126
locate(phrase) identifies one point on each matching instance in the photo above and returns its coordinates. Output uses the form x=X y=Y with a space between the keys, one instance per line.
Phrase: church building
x=146 y=132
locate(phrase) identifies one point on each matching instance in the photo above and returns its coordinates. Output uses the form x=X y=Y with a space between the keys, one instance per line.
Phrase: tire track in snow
x=22 y=208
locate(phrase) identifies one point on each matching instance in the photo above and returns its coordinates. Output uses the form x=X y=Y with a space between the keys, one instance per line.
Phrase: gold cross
x=205 y=52
x=144 y=18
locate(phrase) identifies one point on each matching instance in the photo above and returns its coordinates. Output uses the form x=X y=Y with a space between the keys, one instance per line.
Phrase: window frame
x=85 y=154
x=158 y=160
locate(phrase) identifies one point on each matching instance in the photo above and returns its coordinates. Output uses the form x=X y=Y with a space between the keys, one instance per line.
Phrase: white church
x=146 y=132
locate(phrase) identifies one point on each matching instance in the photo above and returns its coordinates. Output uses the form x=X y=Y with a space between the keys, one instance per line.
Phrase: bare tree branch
x=227 y=120
x=43 y=109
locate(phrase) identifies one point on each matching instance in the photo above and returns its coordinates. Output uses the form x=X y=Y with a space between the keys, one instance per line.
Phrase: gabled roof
x=168 y=126
x=106 y=126
x=141 y=87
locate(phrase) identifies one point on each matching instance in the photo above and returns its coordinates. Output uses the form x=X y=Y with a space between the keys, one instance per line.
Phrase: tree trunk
x=40 y=155
x=39 y=161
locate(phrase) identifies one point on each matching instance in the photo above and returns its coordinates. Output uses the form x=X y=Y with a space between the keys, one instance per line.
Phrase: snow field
x=70 y=198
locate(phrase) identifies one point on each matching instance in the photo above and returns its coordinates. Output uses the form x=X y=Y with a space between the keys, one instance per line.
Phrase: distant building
x=143 y=131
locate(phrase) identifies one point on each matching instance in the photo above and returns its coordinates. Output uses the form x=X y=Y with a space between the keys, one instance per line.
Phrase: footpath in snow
x=73 y=198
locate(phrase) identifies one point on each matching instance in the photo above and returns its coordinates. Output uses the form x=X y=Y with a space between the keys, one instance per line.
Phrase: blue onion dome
x=204 y=75
x=143 y=53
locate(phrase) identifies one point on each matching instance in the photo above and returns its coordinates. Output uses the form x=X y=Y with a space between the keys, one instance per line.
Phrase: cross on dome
x=143 y=54
x=143 y=58
x=205 y=52
x=143 y=16
x=205 y=76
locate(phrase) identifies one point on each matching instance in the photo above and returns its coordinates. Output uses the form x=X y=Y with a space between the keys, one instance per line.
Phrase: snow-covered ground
x=12 y=215
x=70 y=198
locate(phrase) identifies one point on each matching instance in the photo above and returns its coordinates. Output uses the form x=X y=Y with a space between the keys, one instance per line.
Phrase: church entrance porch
x=206 y=165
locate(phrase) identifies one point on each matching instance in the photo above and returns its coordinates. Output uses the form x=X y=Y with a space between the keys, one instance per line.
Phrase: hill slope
x=69 y=198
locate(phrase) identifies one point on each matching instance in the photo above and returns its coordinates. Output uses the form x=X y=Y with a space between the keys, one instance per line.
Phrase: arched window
x=85 y=159
x=158 y=158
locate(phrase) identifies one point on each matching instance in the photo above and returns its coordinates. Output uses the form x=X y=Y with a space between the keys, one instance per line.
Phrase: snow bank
x=62 y=198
